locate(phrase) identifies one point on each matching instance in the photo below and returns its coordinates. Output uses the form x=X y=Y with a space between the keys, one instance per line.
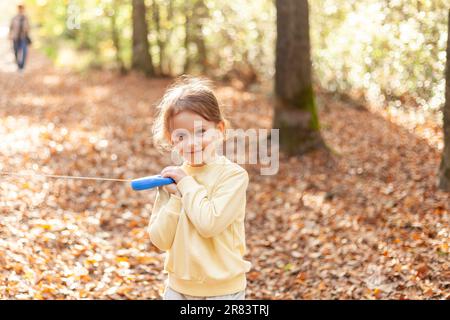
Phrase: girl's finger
x=169 y=168
x=167 y=174
x=163 y=171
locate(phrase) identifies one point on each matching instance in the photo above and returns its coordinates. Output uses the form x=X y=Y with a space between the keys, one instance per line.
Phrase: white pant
x=170 y=294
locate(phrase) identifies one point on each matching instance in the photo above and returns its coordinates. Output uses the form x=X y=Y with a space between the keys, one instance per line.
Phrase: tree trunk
x=170 y=17
x=157 y=26
x=444 y=170
x=115 y=37
x=141 y=60
x=196 y=14
x=295 y=108
x=201 y=14
x=187 y=37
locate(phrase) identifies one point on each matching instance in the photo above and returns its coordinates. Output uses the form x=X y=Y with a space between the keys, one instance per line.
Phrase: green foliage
x=80 y=26
x=394 y=51
x=389 y=51
x=242 y=33
x=230 y=43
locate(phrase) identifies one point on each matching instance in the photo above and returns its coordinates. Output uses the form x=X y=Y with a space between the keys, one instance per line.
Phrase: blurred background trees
x=390 y=51
x=141 y=58
x=218 y=38
x=391 y=54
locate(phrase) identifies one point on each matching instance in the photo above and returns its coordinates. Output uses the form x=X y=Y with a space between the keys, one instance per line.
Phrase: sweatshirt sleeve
x=164 y=219
x=212 y=215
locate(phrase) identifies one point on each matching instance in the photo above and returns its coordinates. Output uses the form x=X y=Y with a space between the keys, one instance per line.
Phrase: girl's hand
x=176 y=174
x=172 y=189
x=173 y=172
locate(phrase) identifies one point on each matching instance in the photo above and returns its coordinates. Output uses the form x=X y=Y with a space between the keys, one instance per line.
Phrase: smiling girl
x=199 y=220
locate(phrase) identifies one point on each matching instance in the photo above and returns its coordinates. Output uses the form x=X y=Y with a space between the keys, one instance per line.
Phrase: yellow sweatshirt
x=203 y=231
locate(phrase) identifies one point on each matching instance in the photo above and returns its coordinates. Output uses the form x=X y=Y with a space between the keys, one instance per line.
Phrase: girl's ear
x=221 y=126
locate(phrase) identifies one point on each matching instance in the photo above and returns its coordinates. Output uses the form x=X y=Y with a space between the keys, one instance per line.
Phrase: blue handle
x=150 y=182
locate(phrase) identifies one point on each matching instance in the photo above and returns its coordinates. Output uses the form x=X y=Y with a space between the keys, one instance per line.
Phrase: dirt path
x=366 y=222
x=6 y=53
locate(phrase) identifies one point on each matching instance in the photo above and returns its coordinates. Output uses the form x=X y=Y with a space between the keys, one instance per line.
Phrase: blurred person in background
x=19 y=34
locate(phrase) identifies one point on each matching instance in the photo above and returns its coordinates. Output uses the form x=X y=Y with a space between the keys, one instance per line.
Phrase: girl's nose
x=194 y=145
x=194 y=148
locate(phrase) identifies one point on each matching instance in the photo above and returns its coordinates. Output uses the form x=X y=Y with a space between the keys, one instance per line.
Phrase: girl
x=199 y=220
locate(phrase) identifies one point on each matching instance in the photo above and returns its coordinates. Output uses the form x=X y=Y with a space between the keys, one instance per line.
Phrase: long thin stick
x=6 y=173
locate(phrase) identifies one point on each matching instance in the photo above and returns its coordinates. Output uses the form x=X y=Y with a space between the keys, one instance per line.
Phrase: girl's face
x=193 y=137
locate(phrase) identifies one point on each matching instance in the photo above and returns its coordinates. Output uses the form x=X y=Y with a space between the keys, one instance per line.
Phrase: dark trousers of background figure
x=20 y=52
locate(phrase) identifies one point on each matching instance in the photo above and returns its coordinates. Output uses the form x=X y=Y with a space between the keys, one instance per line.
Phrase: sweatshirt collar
x=191 y=169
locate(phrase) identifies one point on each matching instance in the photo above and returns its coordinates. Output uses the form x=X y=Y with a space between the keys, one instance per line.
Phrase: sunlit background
x=389 y=52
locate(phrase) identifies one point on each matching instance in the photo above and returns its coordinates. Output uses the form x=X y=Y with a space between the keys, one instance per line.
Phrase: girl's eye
x=201 y=132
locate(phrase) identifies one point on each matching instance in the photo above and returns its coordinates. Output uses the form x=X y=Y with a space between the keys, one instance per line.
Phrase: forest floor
x=364 y=222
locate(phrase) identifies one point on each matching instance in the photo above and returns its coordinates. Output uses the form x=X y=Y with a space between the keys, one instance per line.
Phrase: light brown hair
x=188 y=93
